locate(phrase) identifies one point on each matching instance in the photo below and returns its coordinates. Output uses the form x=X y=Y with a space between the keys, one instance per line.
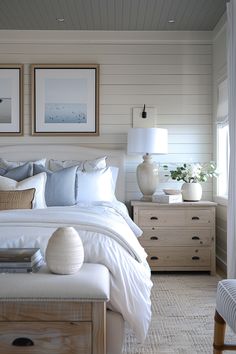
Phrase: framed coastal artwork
x=11 y=99
x=65 y=99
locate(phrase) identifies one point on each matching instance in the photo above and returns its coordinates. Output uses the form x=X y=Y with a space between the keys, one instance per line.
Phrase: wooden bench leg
x=99 y=328
x=219 y=334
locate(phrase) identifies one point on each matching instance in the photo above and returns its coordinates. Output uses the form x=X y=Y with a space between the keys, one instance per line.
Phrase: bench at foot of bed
x=56 y=314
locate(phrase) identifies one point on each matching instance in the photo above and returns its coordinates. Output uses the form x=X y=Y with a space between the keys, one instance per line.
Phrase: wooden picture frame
x=11 y=99
x=65 y=99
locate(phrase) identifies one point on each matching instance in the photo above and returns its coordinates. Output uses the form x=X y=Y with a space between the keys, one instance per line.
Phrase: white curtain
x=231 y=219
x=223 y=104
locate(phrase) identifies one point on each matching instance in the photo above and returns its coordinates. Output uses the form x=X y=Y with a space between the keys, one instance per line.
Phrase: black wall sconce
x=144 y=113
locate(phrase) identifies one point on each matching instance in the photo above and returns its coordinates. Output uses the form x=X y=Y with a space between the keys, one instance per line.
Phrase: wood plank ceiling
x=111 y=15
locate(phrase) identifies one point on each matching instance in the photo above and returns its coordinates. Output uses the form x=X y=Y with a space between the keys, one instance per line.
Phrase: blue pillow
x=18 y=173
x=60 y=185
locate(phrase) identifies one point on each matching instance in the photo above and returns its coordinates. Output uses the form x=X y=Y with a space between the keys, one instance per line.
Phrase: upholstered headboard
x=25 y=152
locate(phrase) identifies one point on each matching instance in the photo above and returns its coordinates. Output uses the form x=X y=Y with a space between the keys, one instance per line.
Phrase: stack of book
x=20 y=260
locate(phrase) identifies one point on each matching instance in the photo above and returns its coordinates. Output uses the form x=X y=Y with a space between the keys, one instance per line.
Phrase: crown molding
x=105 y=37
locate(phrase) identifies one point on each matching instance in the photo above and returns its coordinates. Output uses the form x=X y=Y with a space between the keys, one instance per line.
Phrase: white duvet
x=109 y=237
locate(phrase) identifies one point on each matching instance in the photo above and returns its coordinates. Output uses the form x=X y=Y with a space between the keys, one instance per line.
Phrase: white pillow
x=114 y=172
x=95 y=186
x=38 y=182
x=9 y=165
x=86 y=165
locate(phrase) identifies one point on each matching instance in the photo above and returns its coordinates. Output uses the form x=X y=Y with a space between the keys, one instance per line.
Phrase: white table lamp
x=147 y=141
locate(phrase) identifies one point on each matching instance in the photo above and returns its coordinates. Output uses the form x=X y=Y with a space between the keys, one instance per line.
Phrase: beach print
x=5 y=110
x=65 y=101
x=65 y=113
x=5 y=100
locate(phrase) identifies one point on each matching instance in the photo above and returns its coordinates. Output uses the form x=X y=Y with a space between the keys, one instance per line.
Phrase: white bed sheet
x=109 y=237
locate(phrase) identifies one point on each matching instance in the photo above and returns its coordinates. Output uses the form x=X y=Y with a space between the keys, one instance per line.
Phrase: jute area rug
x=183 y=306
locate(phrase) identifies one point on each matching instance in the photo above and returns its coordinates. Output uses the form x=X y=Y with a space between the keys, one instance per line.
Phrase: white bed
x=109 y=236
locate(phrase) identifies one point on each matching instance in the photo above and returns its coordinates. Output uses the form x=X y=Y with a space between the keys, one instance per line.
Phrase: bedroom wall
x=219 y=74
x=169 y=70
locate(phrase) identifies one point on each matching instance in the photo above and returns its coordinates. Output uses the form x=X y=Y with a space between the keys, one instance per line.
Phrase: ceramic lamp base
x=147 y=177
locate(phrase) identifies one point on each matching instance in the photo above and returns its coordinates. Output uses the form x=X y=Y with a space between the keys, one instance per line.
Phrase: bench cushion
x=226 y=301
x=91 y=283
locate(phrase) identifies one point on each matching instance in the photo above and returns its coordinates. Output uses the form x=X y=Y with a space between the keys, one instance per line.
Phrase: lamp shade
x=147 y=141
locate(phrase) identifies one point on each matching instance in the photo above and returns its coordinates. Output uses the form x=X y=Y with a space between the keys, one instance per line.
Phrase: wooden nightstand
x=178 y=236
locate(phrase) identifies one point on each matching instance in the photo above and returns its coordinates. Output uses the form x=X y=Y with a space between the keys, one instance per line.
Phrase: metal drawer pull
x=153 y=238
x=23 y=342
x=154 y=258
x=195 y=218
x=153 y=218
x=195 y=258
x=195 y=238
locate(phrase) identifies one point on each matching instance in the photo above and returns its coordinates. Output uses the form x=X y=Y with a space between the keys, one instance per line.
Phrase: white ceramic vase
x=65 y=251
x=191 y=192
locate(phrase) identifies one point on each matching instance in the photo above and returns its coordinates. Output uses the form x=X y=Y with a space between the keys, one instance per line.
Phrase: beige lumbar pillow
x=38 y=182
x=22 y=199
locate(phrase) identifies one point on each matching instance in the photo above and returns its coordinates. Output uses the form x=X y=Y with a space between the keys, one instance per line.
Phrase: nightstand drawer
x=200 y=217
x=154 y=217
x=175 y=237
x=45 y=337
x=178 y=257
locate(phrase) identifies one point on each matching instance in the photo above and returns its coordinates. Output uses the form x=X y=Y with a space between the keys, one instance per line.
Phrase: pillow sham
x=114 y=172
x=87 y=165
x=38 y=182
x=95 y=186
x=60 y=185
x=18 y=173
x=9 y=165
x=17 y=199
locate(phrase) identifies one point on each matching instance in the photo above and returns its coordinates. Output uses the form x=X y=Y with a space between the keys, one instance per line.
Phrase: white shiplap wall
x=169 y=70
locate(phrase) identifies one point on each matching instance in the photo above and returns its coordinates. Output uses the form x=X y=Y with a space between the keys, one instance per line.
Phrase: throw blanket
x=107 y=238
